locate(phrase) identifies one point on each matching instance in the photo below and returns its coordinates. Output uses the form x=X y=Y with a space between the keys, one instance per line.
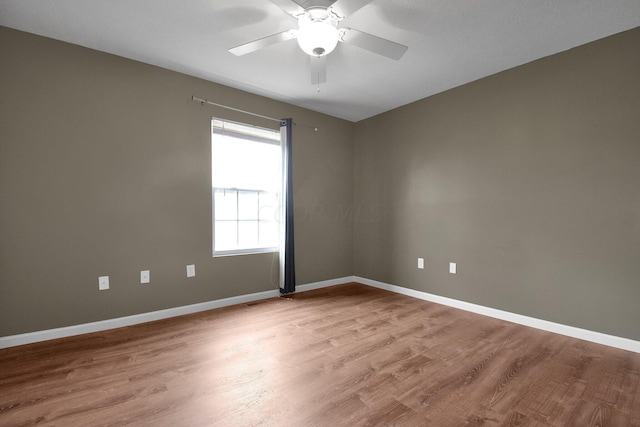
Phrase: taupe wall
x=528 y=179
x=105 y=170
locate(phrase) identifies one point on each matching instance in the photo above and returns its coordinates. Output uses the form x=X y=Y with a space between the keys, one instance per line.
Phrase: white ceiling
x=451 y=42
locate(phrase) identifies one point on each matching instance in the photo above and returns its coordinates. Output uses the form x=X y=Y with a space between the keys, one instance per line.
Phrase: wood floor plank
x=348 y=355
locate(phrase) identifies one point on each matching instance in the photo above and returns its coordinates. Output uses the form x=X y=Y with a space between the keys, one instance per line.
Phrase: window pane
x=268 y=206
x=248 y=234
x=243 y=164
x=247 y=205
x=226 y=204
x=226 y=235
x=268 y=234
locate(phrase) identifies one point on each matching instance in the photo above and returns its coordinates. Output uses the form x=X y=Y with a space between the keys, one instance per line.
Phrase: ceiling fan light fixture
x=317 y=35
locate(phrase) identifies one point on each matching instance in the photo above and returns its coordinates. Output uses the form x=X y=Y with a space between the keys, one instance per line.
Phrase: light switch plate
x=103 y=283
x=191 y=270
x=453 y=269
x=420 y=263
x=145 y=276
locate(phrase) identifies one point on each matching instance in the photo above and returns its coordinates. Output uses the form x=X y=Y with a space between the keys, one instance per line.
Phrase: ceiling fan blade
x=373 y=44
x=318 y=69
x=289 y=6
x=345 y=8
x=243 y=49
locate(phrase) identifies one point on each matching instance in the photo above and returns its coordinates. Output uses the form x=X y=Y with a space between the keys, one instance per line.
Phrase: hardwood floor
x=349 y=355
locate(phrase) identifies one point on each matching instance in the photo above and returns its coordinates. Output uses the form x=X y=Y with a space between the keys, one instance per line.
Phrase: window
x=246 y=180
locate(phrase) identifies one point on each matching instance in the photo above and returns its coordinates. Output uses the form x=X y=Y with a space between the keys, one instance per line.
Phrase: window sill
x=245 y=252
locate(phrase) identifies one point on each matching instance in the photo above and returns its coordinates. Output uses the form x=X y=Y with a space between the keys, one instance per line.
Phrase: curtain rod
x=204 y=101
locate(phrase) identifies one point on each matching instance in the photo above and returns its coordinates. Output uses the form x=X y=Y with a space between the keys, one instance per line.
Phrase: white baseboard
x=325 y=283
x=583 y=334
x=103 y=325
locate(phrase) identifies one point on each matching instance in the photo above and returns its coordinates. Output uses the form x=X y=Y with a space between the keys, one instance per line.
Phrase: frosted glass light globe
x=317 y=37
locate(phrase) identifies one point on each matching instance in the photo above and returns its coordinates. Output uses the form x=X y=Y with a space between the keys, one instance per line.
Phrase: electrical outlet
x=145 y=276
x=103 y=283
x=421 y=263
x=453 y=269
x=191 y=270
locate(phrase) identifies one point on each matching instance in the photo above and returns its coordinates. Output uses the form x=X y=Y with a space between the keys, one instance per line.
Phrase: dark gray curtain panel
x=287 y=251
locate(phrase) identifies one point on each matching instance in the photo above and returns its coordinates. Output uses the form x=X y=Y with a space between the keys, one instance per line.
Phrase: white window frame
x=254 y=133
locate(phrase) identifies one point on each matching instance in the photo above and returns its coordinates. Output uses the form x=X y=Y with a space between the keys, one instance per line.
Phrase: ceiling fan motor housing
x=318 y=32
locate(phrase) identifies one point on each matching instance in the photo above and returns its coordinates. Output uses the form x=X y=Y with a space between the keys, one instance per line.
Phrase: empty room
x=319 y=213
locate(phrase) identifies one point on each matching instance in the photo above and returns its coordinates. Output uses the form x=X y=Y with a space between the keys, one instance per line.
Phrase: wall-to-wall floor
x=105 y=170
x=529 y=180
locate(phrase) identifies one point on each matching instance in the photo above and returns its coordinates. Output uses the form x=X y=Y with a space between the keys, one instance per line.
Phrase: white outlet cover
x=145 y=276
x=453 y=269
x=420 y=262
x=191 y=270
x=103 y=283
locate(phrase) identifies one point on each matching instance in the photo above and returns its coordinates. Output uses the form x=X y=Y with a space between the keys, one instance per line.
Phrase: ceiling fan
x=318 y=34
